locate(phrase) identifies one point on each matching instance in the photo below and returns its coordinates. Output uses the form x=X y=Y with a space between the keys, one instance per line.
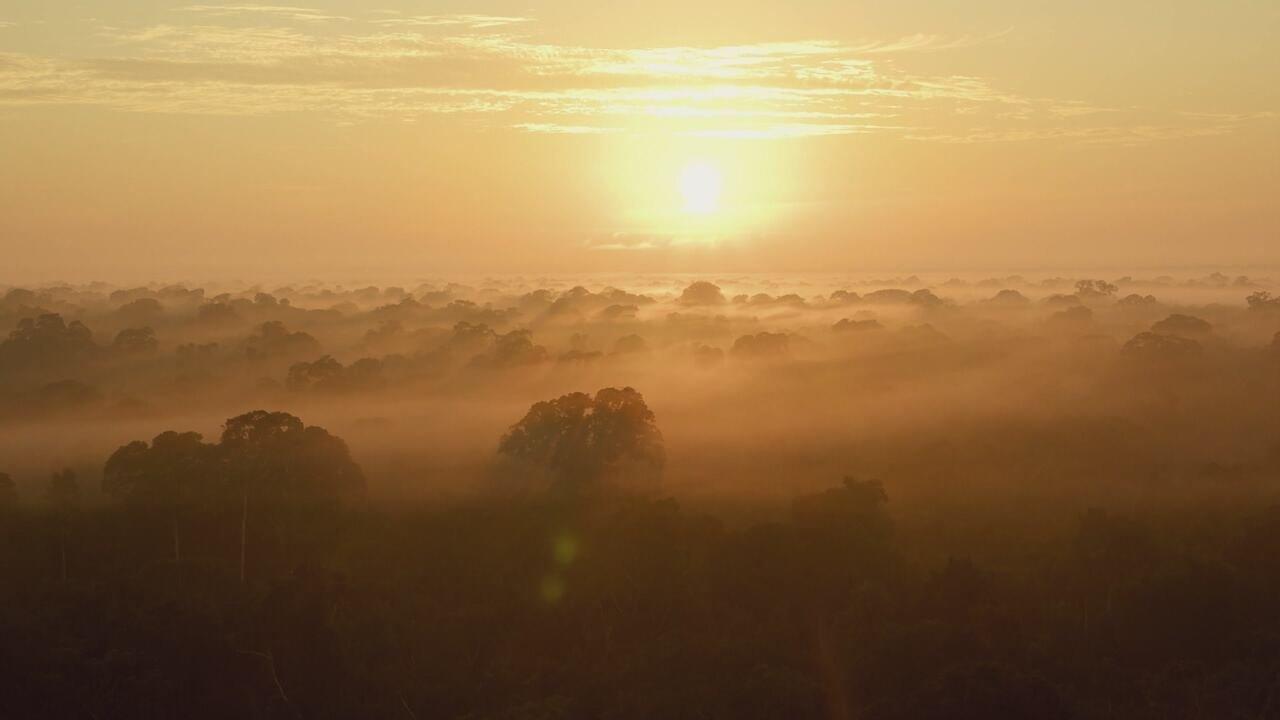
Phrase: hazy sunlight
x=700 y=186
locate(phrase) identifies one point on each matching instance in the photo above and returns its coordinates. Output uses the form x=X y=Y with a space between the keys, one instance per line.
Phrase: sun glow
x=700 y=186
x=697 y=192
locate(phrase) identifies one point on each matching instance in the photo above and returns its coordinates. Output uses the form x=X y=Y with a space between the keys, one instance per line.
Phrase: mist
x=642 y=496
x=763 y=386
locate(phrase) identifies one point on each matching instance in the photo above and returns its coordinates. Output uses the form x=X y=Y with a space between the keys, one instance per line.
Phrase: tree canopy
x=8 y=491
x=271 y=454
x=47 y=341
x=584 y=442
x=281 y=458
x=173 y=468
x=64 y=490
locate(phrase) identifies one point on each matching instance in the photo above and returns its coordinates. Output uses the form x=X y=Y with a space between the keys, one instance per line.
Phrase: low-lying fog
x=763 y=386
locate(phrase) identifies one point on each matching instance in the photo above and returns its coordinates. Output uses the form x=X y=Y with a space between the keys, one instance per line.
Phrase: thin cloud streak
x=279 y=11
x=414 y=66
x=472 y=22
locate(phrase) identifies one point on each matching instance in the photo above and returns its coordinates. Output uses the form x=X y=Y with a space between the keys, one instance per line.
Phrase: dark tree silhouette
x=135 y=341
x=8 y=492
x=169 y=476
x=1073 y=319
x=1009 y=298
x=615 y=313
x=888 y=296
x=47 y=341
x=1153 y=347
x=141 y=312
x=762 y=345
x=702 y=293
x=1263 y=300
x=329 y=375
x=1095 y=289
x=325 y=374
x=926 y=298
x=630 y=345
x=273 y=458
x=196 y=356
x=64 y=498
x=584 y=443
x=217 y=313
x=63 y=396
x=513 y=349
x=707 y=356
x=273 y=340
x=1134 y=300
x=64 y=491
x=847 y=325
x=856 y=505
x=1187 y=326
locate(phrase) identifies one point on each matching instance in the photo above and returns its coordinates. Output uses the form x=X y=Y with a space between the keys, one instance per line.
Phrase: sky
x=143 y=139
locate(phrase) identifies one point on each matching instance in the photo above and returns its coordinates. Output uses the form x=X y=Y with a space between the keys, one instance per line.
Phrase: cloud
x=921 y=42
x=631 y=241
x=403 y=67
x=757 y=61
x=779 y=132
x=636 y=241
x=1136 y=132
x=471 y=22
x=556 y=129
x=277 y=11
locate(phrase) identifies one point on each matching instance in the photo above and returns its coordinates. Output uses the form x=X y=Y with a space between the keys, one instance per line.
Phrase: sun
x=700 y=186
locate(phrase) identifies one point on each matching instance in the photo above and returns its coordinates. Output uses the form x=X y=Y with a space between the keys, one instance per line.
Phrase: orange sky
x=149 y=140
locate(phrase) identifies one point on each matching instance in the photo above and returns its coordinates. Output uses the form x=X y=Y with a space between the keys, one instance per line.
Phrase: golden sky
x=150 y=139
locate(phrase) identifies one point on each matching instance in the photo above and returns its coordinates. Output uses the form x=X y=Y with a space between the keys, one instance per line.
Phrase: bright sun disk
x=700 y=186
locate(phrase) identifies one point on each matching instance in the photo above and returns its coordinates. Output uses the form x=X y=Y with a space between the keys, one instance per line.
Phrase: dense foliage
x=622 y=608
x=583 y=443
x=1059 y=506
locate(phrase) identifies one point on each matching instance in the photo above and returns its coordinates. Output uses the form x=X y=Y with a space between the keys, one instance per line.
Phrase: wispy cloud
x=630 y=241
x=556 y=129
x=470 y=22
x=290 y=59
x=643 y=241
x=780 y=132
x=1138 y=128
x=922 y=42
x=732 y=62
x=278 y=11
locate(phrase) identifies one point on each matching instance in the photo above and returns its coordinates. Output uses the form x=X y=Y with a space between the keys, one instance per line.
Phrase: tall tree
x=64 y=497
x=272 y=457
x=8 y=492
x=168 y=476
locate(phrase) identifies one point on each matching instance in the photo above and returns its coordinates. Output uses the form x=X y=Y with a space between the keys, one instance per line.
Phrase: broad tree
x=262 y=458
x=583 y=443
x=173 y=473
x=273 y=458
x=46 y=343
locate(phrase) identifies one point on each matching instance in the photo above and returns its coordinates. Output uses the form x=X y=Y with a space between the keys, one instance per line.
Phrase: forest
x=746 y=496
